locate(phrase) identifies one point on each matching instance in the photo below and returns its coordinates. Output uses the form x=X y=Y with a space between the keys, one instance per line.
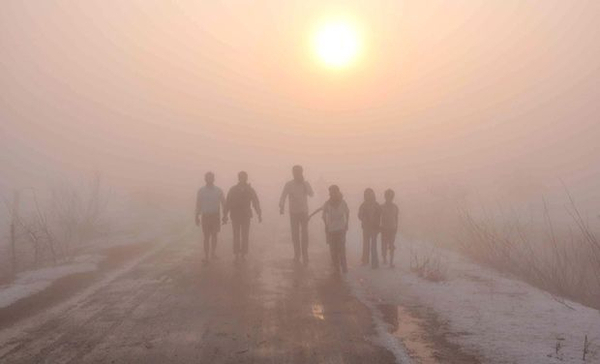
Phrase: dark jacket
x=241 y=198
x=369 y=215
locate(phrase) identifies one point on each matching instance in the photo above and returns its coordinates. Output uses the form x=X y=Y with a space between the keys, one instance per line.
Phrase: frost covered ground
x=32 y=282
x=29 y=283
x=485 y=315
x=501 y=319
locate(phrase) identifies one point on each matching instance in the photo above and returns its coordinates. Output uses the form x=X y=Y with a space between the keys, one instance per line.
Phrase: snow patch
x=32 y=282
x=73 y=302
x=502 y=319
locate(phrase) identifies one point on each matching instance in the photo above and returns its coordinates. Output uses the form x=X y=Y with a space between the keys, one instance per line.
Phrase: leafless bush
x=565 y=263
x=429 y=266
x=46 y=233
x=13 y=213
x=586 y=348
x=78 y=213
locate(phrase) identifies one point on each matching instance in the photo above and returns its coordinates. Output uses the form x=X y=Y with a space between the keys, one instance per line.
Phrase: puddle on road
x=409 y=329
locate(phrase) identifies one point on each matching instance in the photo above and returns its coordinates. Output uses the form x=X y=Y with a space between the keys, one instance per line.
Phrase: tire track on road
x=13 y=338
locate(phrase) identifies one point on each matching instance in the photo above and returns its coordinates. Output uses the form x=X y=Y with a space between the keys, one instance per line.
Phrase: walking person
x=241 y=199
x=209 y=200
x=369 y=215
x=389 y=226
x=297 y=192
x=336 y=217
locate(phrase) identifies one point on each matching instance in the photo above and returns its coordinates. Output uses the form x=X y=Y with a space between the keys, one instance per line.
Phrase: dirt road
x=170 y=308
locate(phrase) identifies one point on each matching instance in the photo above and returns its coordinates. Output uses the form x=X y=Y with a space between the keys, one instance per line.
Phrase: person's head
x=334 y=193
x=389 y=195
x=243 y=177
x=297 y=172
x=209 y=178
x=369 y=195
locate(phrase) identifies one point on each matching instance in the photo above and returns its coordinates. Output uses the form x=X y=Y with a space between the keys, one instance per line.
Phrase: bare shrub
x=429 y=266
x=48 y=232
x=78 y=213
x=564 y=262
x=13 y=213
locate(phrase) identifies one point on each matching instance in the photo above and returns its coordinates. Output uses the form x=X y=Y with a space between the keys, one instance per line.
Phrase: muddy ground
x=172 y=308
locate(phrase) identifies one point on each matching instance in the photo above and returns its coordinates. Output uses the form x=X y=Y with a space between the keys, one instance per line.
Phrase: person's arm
x=198 y=209
x=347 y=212
x=222 y=199
x=284 y=195
x=226 y=207
x=360 y=212
x=256 y=205
x=309 y=190
x=315 y=212
x=397 y=217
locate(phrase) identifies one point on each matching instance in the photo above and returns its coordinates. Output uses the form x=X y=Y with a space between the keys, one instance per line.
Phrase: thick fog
x=497 y=99
x=482 y=115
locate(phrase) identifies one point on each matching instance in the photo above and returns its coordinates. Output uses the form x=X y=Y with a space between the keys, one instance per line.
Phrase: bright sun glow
x=337 y=44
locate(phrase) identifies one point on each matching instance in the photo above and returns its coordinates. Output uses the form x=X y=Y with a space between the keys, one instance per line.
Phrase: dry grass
x=428 y=266
x=42 y=233
x=564 y=262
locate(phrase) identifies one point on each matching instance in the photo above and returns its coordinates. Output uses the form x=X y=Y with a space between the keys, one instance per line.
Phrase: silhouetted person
x=208 y=211
x=336 y=217
x=297 y=191
x=389 y=226
x=369 y=215
x=241 y=198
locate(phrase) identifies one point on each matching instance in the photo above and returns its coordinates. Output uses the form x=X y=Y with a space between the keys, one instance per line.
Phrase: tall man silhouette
x=241 y=198
x=297 y=191
x=208 y=214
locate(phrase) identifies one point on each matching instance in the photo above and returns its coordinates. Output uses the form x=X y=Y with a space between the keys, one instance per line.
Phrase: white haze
x=496 y=98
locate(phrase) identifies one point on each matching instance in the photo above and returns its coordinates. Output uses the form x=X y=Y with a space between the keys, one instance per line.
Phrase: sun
x=337 y=44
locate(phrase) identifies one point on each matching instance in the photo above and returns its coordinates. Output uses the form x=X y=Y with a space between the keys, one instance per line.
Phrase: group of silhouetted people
x=238 y=205
x=241 y=199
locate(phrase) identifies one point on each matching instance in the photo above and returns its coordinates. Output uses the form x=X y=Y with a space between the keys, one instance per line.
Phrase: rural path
x=169 y=308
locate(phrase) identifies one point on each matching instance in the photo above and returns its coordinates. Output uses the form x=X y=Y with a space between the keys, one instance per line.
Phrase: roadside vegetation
x=428 y=266
x=557 y=250
x=48 y=227
x=561 y=259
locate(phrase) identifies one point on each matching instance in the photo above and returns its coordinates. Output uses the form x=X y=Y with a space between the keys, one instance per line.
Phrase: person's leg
x=366 y=242
x=245 y=236
x=392 y=245
x=213 y=252
x=216 y=228
x=374 y=257
x=206 y=235
x=236 y=237
x=295 y=227
x=304 y=230
x=206 y=229
x=331 y=248
x=384 y=245
x=335 y=251
x=342 y=252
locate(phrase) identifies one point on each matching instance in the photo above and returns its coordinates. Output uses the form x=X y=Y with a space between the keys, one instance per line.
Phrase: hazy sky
x=154 y=93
